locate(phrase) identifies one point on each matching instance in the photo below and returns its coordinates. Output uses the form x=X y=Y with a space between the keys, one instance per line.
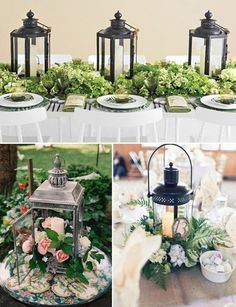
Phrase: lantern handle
x=132 y=27
x=223 y=29
x=161 y=146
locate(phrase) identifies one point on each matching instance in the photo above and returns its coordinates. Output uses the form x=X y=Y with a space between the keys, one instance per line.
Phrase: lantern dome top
x=171 y=175
x=171 y=193
x=31 y=27
x=118 y=28
x=209 y=27
x=57 y=176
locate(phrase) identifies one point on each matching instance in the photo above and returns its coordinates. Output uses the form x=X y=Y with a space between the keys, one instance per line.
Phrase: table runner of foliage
x=150 y=80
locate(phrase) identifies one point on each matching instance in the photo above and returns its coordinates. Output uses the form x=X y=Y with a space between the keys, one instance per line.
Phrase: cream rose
x=85 y=242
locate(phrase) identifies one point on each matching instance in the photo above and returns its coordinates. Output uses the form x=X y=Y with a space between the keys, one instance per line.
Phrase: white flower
x=88 y=229
x=158 y=256
x=228 y=74
x=39 y=235
x=85 y=242
x=68 y=234
x=45 y=259
x=177 y=255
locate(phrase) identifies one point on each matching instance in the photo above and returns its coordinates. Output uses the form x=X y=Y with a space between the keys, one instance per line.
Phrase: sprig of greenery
x=199 y=240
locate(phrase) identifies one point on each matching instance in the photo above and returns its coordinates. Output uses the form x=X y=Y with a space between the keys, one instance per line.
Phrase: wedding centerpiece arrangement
x=184 y=238
x=53 y=261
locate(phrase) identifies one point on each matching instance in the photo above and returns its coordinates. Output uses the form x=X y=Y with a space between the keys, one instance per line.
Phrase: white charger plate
x=37 y=99
x=138 y=102
x=210 y=102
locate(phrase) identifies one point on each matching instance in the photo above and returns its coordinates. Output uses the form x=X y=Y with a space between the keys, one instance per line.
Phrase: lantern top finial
x=57 y=161
x=118 y=15
x=208 y=15
x=30 y=14
x=57 y=176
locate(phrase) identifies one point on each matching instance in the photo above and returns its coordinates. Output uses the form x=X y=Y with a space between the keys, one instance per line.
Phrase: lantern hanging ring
x=157 y=149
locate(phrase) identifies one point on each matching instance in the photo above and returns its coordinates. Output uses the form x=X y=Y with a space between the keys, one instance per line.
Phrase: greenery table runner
x=161 y=79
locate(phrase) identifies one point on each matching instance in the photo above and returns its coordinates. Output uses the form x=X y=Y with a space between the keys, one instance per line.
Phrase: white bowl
x=216 y=277
x=226 y=248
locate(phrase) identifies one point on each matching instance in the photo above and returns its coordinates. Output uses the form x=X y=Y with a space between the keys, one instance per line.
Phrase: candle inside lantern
x=57 y=224
x=119 y=52
x=167 y=223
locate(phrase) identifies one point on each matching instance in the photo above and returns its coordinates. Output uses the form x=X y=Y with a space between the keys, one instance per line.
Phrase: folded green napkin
x=74 y=101
x=177 y=104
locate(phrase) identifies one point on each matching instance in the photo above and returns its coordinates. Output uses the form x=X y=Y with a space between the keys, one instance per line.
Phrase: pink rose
x=61 y=256
x=43 y=246
x=28 y=245
x=47 y=223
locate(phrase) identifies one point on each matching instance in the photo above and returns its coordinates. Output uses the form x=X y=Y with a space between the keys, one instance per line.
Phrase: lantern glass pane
x=21 y=56
x=107 y=56
x=198 y=53
x=37 y=65
x=216 y=54
x=22 y=230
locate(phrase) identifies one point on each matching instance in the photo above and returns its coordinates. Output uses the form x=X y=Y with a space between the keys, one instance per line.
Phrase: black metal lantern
x=31 y=41
x=56 y=201
x=208 y=46
x=172 y=201
x=116 y=49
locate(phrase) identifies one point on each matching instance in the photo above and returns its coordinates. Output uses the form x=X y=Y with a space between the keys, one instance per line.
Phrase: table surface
x=188 y=288
x=8 y=301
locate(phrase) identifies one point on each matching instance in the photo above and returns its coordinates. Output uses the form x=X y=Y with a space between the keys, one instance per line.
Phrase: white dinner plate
x=106 y=101
x=36 y=99
x=210 y=101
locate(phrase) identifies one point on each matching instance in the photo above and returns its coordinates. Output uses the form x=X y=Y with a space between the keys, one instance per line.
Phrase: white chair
x=92 y=59
x=224 y=121
x=118 y=121
x=21 y=118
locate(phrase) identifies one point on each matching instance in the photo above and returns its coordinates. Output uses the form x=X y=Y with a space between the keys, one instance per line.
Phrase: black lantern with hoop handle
x=172 y=201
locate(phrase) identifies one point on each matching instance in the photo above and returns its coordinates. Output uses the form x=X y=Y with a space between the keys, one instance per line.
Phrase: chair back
x=21 y=118
x=117 y=120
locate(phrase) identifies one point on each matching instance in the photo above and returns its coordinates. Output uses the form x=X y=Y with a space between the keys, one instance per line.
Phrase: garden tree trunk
x=8 y=165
